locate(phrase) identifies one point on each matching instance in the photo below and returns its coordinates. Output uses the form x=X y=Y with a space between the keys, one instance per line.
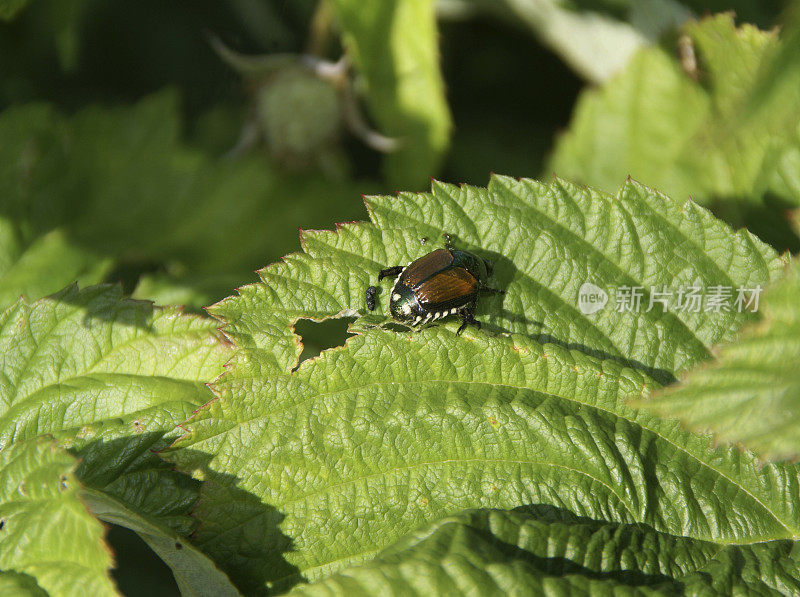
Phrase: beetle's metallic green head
x=403 y=304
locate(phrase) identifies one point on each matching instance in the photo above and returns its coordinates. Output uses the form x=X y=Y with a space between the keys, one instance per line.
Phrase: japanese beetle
x=444 y=282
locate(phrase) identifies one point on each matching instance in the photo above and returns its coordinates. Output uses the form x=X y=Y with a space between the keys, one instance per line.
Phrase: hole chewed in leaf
x=317 y=336
x=343 y=457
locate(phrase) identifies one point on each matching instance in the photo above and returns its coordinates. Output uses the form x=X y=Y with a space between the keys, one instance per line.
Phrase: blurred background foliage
x=176 y=147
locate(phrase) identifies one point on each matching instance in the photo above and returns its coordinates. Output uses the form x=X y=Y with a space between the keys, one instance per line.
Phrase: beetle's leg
x=392 y=272
x=488 y=290
x=370 y=297
x=467 y=318
x=448 y=242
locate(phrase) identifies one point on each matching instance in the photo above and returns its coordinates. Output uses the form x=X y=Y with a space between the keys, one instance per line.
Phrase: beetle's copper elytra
x=444 y=282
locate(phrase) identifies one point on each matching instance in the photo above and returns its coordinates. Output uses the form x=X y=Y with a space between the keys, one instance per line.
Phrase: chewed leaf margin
x=290 y=456
x=557 y=218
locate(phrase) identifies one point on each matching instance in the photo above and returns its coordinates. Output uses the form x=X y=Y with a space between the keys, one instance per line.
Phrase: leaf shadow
x=240 y=532
x=504 y=272
x=563 y=566
x=233 y=527
x=770 y=219
x=107 y=303
x=120 y=466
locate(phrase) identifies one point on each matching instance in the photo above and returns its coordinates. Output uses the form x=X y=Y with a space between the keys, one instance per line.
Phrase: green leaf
x=784 y=66
x=594 y=38
x=66 y=18
x=108 y=377
x=164 y=289
x=692 y=138
x=10 y=8
x=65 y=180
x=194 y=572
x=52 y=23
x=546 y=241
x=44 y=266
x=122 y=465
x=47 y=533
x=37 y=255
x=84 y=358
x=15 y=584
x=394 y=45
x=549 y=551
x=751 y=392
x=597 y=38
x=761 y=12
x=308 y=471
